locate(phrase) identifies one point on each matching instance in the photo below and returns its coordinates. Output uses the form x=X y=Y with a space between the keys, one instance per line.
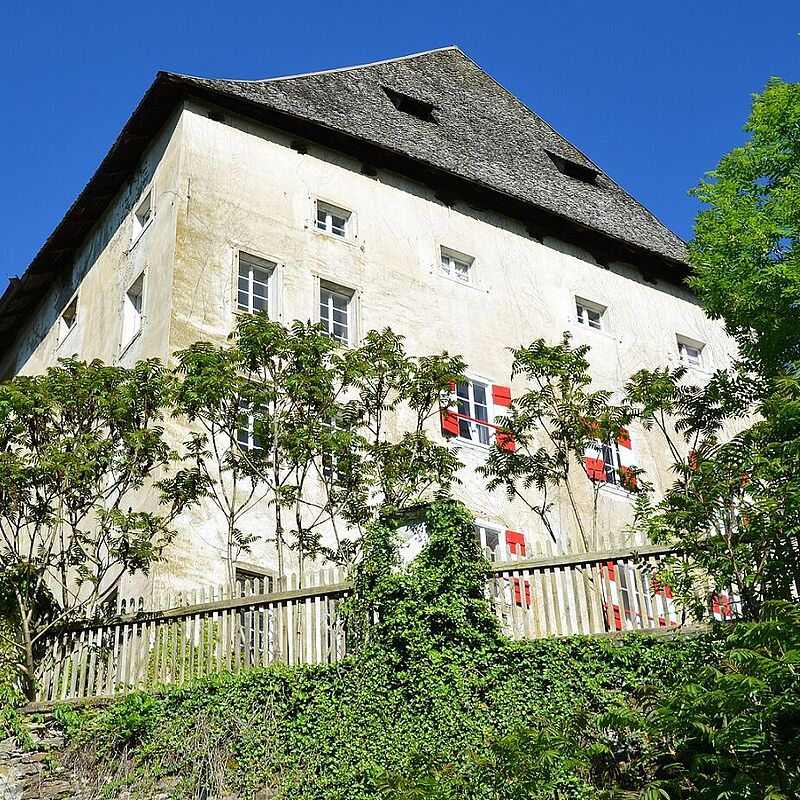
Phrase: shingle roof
x=482 y=133
x=485 y=147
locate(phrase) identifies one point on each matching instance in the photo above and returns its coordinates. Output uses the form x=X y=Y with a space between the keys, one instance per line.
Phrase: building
x=415 y=193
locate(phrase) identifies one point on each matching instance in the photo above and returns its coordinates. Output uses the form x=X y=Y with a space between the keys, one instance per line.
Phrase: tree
x=553 y=424
x=79 y=447
x=335 y=436
x=733 y=512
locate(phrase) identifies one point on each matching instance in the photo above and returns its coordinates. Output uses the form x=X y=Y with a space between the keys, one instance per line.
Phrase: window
x=336 y=312
x=691 y=352
x=68 y=319
x=333 y=220
x=456 y=266
x=609 y=462
x=498 y=544
x=590 y=314
x=473 y=412
x=253 y=284
x=477 y=405
x=573 y=169
x=245 y=434
x=331 y=462
x=143 y=214
x=411 y=105
x=132 y=311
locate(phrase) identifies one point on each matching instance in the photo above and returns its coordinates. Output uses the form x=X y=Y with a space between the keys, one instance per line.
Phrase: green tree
x=733 y=512
x=79 y=447
x=336 y=436
x=553 y=424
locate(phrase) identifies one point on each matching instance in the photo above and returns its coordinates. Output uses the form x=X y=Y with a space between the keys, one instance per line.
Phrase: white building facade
x=415 y=194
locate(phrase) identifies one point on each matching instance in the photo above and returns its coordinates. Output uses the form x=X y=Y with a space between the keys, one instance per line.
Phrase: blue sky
x=654 y=92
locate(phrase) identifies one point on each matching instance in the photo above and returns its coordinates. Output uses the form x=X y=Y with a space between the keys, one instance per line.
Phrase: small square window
x=456 y=265
x=691 y=352
x=143 y=214
x=333 y=220
x=590 y=314
x=68 y=319
x=489 y=539
x=253 y=284
x=336 y=312
x=132 y=310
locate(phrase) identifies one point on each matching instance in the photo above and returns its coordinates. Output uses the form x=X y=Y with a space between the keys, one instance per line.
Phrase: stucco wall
x=224 y=186
x=244 y=188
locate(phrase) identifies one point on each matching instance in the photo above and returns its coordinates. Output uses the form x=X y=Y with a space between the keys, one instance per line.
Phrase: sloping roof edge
x=168 y=90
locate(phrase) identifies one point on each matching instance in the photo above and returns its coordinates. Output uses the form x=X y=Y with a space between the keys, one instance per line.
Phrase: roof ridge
x=332 y=70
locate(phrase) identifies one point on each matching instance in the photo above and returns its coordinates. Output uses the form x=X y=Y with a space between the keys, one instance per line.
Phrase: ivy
x=433 y=689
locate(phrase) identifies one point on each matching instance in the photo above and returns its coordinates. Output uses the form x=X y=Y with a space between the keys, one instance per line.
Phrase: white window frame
x=449 y=263
x=613 y=463
x=143 y=213
x=336 y=290
x=583 y=311
x=499 y=553
x=329 y=211
x=133 y=310
x=478 y=429
x=684 y=345
x=65 y=328
x=254 y=262
x=246 y=438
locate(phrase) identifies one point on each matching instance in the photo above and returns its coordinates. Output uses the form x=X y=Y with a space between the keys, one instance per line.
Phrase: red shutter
x=596 y=468
x=692 y=459
x=518 y=586
x=501 y=395
x=449 y=423
x=627 y=479
x=453 y=386
x=505 y=441
x=624 y=438
x=516 y=543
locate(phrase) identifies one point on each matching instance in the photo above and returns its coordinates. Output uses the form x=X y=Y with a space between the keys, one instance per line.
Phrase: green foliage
x=433 y=697
x=733 y=512
x=553 y=424
x=318 y=413
x=77 y=448
x=745 y=250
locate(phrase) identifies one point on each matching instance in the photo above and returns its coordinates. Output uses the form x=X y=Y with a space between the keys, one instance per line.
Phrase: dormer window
x=574 y=170
x=333 y=220
x=411 y=105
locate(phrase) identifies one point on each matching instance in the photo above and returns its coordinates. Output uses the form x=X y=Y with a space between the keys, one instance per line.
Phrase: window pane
x=479 y=393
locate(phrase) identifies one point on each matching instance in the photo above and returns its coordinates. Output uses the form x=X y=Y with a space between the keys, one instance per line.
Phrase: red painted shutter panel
x=627 y=479
x=501 y=395
x=449 y=423
x=515 y=542
x=596 y=468
x=505 y=441
x=624 y=438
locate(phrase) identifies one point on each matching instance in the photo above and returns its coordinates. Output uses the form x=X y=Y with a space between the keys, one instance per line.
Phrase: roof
x=483 y=146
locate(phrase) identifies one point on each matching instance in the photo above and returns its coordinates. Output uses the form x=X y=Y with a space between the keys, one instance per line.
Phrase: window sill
x=335 y=237
x=576 y=327
x=465 y=284
x=65 y=338
x=616 y=491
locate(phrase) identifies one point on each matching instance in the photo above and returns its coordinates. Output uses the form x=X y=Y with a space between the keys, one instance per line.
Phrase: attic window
x=573 y=169
x=410 y=105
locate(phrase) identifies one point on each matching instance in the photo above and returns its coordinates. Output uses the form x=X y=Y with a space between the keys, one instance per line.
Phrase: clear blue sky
x=654 y=92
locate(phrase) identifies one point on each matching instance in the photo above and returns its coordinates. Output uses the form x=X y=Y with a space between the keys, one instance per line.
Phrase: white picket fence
x=206 y=632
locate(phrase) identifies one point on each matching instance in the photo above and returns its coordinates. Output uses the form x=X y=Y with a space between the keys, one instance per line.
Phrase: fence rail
x=206 y=632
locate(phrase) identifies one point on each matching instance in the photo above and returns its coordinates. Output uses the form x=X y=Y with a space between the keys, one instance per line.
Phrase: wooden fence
x=204 y=633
